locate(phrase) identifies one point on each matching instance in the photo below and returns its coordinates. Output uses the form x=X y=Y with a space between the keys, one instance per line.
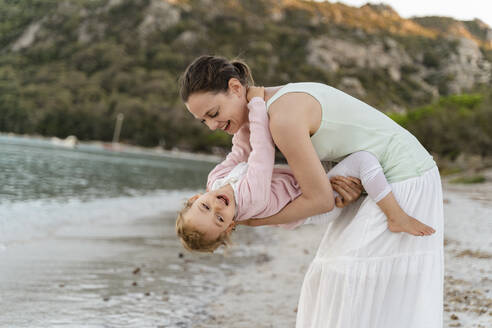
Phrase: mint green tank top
x=349 y=125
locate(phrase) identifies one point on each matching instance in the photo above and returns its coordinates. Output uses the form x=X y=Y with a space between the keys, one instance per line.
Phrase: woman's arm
x=292 y=117
x=349 y=190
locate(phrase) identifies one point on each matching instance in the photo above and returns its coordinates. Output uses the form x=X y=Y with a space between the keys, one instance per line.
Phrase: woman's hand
x=349 y=188
x=255 y=92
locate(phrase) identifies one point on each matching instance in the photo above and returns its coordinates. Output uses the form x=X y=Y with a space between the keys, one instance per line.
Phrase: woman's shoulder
x=272 y=93
x=295 y=111
x=296 y=97
x=301 y=93
x=295 y=105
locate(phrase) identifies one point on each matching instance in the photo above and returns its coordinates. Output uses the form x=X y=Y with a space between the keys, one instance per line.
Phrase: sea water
x=43 y=185
x=45 y=188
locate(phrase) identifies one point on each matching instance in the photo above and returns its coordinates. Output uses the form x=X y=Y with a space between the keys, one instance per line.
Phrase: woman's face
x=226 y=111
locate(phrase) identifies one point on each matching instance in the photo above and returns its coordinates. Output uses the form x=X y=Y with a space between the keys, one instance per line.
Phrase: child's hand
x=255 y=92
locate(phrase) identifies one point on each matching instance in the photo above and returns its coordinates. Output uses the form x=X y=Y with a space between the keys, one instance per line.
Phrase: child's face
x=213 y=212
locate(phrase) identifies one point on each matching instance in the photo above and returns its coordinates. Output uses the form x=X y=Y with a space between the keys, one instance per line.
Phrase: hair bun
x=243 y=71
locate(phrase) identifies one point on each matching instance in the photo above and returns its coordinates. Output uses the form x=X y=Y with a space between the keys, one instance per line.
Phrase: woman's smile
x=228 y=124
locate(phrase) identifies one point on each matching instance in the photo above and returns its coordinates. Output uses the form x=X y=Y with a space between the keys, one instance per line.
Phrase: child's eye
x=221 y=219
x=215 y=114
x=205 y=205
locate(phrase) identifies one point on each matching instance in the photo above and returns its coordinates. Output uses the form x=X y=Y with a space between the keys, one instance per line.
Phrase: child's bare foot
x=410 y=225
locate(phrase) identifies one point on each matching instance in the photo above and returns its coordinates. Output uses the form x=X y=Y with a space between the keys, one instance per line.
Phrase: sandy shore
x=135 y=274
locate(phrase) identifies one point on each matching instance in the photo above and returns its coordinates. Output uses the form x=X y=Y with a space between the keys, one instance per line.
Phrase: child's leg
x=366 y=167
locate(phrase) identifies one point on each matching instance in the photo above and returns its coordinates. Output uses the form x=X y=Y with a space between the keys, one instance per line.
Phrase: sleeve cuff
x=256 y=100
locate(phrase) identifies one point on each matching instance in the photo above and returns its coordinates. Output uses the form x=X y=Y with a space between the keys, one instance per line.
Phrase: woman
x=362 y=275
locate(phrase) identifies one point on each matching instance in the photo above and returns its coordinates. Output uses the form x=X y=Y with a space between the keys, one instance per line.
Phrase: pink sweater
x=264 y=190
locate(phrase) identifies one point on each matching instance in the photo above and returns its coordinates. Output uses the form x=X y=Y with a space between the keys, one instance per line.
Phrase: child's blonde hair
x=194 y=240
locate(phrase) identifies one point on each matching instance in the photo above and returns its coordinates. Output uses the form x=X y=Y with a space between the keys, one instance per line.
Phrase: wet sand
x=123 y=273
x=135 y=273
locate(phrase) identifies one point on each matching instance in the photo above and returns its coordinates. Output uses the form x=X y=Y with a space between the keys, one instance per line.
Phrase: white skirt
x=366 y=276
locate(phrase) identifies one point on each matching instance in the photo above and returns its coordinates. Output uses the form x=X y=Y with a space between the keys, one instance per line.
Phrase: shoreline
x=464 y=165
x=123 y=148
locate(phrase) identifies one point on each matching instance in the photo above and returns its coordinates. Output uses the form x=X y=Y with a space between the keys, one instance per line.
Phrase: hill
x=69 y=67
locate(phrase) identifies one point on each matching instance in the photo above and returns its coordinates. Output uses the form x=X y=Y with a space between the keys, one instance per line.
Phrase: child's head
x=207 y=220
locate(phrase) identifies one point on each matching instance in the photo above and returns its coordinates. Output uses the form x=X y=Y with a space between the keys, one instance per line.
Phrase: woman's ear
x=236 y=87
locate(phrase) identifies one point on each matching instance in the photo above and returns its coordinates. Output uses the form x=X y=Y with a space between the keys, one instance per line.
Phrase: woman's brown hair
x=212 y=74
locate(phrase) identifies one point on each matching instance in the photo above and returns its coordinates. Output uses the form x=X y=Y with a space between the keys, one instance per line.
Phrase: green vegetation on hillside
x=89 y=60
x=453 y=125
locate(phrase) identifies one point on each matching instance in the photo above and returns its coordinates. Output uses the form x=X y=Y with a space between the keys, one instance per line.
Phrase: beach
x=266 y=295
x=134 y=273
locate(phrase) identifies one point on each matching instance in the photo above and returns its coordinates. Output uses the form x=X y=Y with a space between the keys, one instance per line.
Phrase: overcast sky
x=462 y=10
